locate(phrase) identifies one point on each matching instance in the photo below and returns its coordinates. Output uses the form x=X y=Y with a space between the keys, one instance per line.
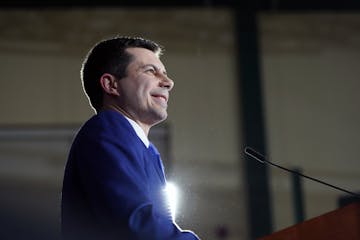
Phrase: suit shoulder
x=108 y=124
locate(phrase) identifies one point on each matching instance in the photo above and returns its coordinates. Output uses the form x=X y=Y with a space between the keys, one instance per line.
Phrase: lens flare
x=172 y=195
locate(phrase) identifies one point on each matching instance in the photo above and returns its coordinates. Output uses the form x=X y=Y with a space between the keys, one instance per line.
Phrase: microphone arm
x=261 y=158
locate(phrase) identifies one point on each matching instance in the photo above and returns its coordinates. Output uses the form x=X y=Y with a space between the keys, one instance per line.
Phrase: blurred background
x=281 y=78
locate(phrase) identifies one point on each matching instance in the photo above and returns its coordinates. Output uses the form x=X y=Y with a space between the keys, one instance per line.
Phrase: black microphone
x=261 y=158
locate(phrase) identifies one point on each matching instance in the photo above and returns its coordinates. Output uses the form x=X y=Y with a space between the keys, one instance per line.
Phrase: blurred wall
x=311 y=88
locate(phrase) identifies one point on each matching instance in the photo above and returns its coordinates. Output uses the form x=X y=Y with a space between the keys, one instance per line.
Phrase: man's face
x=144 y=92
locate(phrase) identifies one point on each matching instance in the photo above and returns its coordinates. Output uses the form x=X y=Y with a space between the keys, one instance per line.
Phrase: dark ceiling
x=257 y=5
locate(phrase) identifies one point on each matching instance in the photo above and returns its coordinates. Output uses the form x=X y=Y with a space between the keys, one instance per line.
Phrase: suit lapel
x=158 y=163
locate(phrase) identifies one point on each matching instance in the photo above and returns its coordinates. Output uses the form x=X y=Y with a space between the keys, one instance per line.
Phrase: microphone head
x=254 y=154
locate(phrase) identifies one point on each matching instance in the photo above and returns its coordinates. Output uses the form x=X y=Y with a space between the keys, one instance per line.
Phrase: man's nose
x=166 y=82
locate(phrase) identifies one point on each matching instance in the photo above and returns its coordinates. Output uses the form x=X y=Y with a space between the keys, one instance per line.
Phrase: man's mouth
x=160 y=99
x=160 y=96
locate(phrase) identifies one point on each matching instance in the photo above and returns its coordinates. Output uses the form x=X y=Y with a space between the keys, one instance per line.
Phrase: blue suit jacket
x=113 y=186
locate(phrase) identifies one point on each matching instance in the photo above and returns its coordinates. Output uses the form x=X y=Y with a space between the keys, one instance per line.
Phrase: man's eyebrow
x=154 y=66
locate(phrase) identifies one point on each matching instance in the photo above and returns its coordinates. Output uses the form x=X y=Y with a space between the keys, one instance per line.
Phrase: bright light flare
x=172 y=197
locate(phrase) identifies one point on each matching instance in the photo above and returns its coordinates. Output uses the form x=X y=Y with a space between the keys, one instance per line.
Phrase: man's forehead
x=143 y=56
x=142 y=52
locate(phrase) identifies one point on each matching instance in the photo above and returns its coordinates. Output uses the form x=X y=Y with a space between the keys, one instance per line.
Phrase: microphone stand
x=261 y=158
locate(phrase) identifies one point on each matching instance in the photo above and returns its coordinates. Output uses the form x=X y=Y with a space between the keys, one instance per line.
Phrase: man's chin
x=160 y=117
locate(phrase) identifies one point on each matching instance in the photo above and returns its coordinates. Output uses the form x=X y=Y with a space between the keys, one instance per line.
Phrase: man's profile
x=114 y=180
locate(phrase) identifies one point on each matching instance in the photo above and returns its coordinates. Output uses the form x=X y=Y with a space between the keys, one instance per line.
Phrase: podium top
x=340 y=224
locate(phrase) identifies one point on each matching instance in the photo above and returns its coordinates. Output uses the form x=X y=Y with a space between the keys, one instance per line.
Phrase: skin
x=143 y=94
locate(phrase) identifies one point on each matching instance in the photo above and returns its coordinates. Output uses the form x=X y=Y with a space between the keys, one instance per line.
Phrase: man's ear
x=109 y=84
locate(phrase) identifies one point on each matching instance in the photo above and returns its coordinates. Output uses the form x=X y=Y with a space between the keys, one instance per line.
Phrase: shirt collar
x=139 y=131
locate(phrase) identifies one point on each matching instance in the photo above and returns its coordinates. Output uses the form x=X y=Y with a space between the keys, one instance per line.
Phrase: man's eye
x=151 y=70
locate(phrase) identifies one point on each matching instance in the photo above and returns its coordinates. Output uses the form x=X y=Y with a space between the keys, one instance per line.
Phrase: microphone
x=261 y=158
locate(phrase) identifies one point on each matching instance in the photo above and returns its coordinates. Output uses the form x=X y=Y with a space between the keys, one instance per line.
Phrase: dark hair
x=109 y=56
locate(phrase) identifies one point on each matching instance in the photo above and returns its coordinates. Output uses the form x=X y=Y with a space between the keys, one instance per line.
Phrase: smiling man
x=114 y=182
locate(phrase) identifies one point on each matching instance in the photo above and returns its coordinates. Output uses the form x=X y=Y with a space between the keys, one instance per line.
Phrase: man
x=114 y=181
